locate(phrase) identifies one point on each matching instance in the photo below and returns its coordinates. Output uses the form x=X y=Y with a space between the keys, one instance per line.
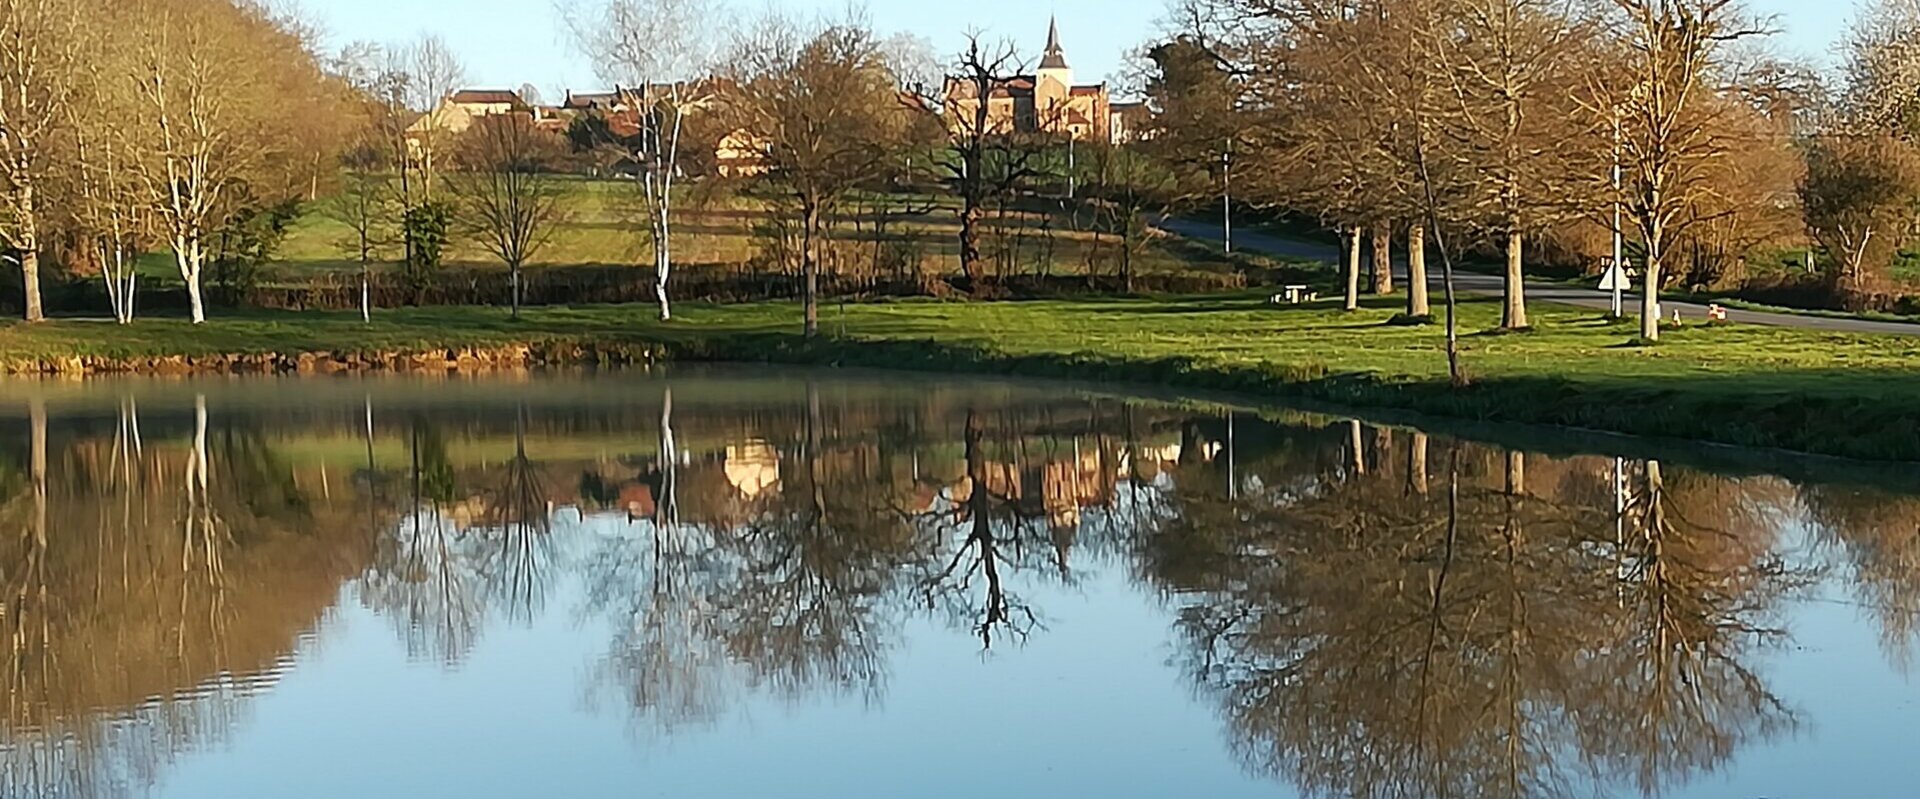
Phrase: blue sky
x=510 y=42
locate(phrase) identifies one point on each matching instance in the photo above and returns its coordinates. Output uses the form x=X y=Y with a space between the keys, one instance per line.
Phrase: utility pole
x=1226 y=195
x=1618 y=253
x=1072 y=179
x=1233 y=471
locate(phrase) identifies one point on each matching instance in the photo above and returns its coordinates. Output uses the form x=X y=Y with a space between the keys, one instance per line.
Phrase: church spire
x=1056 y=56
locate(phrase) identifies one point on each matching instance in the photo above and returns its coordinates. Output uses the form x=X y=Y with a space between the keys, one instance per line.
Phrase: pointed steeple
x=1056 y=56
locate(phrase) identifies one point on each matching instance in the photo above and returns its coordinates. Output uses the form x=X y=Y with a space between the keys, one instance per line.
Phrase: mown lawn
x=716 y=227
x=1856 y=395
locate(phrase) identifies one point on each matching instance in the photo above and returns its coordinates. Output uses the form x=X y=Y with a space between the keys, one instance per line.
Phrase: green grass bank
x=1826 y=393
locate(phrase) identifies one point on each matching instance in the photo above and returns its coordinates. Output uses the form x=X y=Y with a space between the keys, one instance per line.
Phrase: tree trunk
x=1650 y=298
x=810 y=271
x=970 y=246
x=1515 y=315
x=816 y=486
x=28 y=237
x=668 y=509
x=37 y=465
x=1353 y=268
x=1516 y=473
x=1417 y=303
x=513 y=279
x=426 y=167
x=1383 y=258
x=366 y=296
x=1847 y=282
x=30 y=281
x=1417 y=464
x=188 y=256
x=1358 y=446
x=662 y=263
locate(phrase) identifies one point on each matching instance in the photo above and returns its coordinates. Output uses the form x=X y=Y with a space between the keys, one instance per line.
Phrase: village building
x=737 y=154
x=1129 y=122
x=459 y=111
x=1045 y=102
x=456 y=114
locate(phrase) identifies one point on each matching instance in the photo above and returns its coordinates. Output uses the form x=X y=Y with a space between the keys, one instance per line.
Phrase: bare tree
x=1671 y=141
x=1127 y=183
x=826 y=105
x=1882 y=66
x=506 y=192
x=364 y=206
x=1330 y=151
x=39 y=60
x=385 y=75
x=377 y=190
x=108 y=217
x=359 y=64
x=217 y=112
x=1858 y=198
x=189 y=160
x=432 y=72
x=1202 y=118
x=657 y=53
x=988 y=156
x=914 y=62
x=1424 y=47
x=1862 y=172
x=1510 y=84
x=1340 y=114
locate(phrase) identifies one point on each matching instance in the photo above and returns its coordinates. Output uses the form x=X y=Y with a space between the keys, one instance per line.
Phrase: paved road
x=1481 y=283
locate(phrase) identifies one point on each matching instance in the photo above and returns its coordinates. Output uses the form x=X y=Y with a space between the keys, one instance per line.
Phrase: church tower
x=1054 y=63
x=1053 y=82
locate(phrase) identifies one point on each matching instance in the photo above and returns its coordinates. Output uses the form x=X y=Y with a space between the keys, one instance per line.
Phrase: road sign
x=1615 y=279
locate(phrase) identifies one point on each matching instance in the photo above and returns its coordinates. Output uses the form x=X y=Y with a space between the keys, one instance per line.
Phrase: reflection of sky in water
x=1861 y=708
x=1098 y=700
x=1089 y=706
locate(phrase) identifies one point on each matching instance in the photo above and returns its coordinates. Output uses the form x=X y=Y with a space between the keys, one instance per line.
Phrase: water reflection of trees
x=792 y=559
x=818 y=562
x=1375 y=612
x=658 y=580
x=1876 y=534
x=1504 y=638
x=780 y=589
x=986 y=532
x=160 y=569
x=450 y=562
x=1379 y=613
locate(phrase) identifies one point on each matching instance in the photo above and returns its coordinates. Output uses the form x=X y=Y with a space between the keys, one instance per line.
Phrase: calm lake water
x=765 y=583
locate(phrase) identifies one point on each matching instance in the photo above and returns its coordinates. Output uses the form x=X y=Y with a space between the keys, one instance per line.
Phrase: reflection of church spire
x=1056 y=56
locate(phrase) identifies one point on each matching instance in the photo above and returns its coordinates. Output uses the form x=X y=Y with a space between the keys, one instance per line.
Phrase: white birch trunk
x=189 y=256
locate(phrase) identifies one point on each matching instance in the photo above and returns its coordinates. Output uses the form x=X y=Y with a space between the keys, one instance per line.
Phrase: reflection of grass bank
x=1854 y=395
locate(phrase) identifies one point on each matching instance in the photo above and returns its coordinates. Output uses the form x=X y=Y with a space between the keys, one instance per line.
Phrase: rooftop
x=1056 y=56
x=486 y=97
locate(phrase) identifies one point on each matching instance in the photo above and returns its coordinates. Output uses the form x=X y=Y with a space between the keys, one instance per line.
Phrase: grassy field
x=1838 y=394
x=604 y=226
